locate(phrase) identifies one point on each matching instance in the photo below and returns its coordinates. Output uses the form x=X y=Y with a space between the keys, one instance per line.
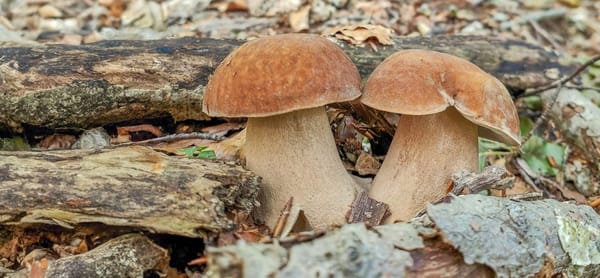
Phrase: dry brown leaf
x=253 y=235
x=57 y=142
x=224 y=128
x=299 y=20
x=366 y=164
x=520 y=187
x=230 y=148
x=123 y=132
x=38 y=268
x=230 y=6
x=571 y=3
x=362 y=33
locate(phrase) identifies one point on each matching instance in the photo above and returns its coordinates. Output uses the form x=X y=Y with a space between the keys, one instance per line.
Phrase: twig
x=525 y=176
x=564 y=80
x=541 y=118
x=173 y=137
x=536 y=26
x=530 y=196
x=582 y=87
x=199 y=261
x=283 y=217
x=543 y=15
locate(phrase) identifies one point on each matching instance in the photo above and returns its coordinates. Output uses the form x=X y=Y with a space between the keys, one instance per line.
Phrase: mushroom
x=446 y=102
x=282 y=83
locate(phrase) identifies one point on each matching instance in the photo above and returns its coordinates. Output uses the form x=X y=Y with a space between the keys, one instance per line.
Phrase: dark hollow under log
x=62 y=86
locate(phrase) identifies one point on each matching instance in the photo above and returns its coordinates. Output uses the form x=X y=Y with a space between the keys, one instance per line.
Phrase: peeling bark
x=125 y=256
x=132 y=187
x=113 y=81
x=473 y=235
x=578 y=120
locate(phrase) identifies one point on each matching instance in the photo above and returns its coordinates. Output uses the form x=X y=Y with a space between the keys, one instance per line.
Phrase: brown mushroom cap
x=279 y=74
x=421 y=82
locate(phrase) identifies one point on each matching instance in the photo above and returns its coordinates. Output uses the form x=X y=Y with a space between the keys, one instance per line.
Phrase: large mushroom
x=282 y=83
x=445 y=103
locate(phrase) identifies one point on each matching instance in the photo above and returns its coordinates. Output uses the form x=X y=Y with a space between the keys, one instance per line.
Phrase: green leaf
x=198 y=152
x=526 y=124
x=533 y=102
x=592 y=95
x=536 y=151
x=207 y=154
x=489 y=147
x=556 y=151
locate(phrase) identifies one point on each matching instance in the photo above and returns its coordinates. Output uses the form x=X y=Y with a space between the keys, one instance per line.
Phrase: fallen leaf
x=299 y=20
x=230 y=6
x=224 y=128
x=57 y=142
x=38 y=268
x=362 y=33
x=230 y=148
x=124 y=132
x=366 y=164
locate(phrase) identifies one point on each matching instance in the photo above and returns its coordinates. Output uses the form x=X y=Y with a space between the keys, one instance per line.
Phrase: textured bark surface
x=113 y=81
x=469 y=236
x=133 y=187
x=125 y=256
x=577 y=119
x=367 y=210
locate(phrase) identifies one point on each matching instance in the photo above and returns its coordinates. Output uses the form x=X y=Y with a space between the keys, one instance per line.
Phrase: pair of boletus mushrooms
x=282 y=84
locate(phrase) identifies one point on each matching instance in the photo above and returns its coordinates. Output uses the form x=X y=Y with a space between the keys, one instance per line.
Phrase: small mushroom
x=282 y=83
x=446 y=103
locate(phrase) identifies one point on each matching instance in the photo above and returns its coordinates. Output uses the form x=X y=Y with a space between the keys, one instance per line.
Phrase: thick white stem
x=296 y=155
x=425 y=152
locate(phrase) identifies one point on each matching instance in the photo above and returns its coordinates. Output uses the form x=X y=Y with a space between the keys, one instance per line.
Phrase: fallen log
x=467 y=236
x=128 y=187
x=62 y=86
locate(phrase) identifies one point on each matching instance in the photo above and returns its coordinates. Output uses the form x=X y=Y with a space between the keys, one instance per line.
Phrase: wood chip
x=368 y=210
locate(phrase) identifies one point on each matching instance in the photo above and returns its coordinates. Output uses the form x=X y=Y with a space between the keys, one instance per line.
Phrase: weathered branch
x=470 y=236
x=113 y=81
x=132 y=187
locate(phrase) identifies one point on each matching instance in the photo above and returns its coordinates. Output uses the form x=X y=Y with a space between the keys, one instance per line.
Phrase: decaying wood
x=125 y=256
x=492 y=177
x=367 y=210
x=113 y=81
x=471 y=234
x=133 y=187
x=577 y=119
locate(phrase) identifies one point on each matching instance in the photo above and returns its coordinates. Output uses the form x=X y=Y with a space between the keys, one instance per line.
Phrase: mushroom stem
x=296 y=155
x=424 y=149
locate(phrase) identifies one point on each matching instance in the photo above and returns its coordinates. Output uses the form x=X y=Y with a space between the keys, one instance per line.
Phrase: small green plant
x=489 y=147
x=543 y=157
x=199 y=152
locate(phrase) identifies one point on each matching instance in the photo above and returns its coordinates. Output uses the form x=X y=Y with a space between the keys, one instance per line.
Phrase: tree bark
x=467 y=236
x=578 y=120
x=136 y=254
x=62 y=86
x=132 y=187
